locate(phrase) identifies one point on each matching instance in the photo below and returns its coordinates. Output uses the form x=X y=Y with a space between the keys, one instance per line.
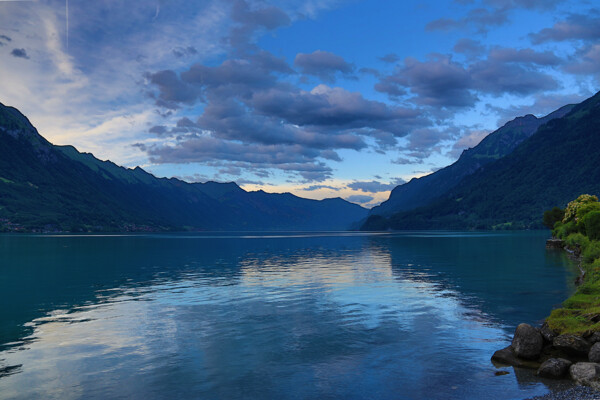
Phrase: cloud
x=319 y=187
x=585 y=61
x=523 y=56
x=251 y=19
x=359 y=198
x=172 y=91
x=543 y=5
x=436 y=82
x=375 y=186
x=469 y=47
x=482 y=19
x=467 y=141
x=322 y=64
x=574 y=27
x=441 y=82
x=184 y=51
x=20 y=53
x=390 y=58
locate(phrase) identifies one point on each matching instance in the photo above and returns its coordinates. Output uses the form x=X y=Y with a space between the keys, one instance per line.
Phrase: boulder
x=507 y=356
x=572 y=344
x=555 y=368
x=527 y=342
x=585 y=373
x=594 y=338
x=547 y=333
x=594 y=354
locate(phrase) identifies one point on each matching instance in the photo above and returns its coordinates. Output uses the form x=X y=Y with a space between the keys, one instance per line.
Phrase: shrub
x=551 y=217
x=592 y=224
x=572 y=207
x=591 y=252
x=577 y=240
x=564 y=230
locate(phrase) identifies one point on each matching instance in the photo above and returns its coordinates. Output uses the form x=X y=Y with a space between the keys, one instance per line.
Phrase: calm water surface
x=310 y=316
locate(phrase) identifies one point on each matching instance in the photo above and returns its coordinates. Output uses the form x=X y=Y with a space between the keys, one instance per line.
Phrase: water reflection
x=393 y=316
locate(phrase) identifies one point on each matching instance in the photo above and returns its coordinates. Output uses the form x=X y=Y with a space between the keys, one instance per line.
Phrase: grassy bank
x=579 y=226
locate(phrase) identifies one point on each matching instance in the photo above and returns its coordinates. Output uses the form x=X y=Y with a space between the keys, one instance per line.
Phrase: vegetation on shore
x=579 y=226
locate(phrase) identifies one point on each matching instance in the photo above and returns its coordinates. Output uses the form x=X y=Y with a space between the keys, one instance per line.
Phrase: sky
x=320 y=98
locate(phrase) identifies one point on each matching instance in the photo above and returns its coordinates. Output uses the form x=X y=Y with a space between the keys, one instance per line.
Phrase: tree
x=553 y=216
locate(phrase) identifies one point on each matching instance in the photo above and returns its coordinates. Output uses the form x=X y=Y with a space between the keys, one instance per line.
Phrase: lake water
x=291 y=316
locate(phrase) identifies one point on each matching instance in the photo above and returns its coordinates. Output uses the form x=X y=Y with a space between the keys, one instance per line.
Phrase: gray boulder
x=594 y=354
x=527 y=342
x=572 y=344
x=507 y=356
x=547 y=333
x=585 y=373
x=594 y=338
x=555 y=368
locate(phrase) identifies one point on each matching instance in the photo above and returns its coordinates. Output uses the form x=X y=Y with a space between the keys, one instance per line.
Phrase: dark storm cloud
x=322 y=64
x=20 y=53
x=574 y=27
x=375 y=186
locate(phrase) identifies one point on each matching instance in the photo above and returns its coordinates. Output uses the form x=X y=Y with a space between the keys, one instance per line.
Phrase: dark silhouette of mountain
x=553 y=166
x=48 y=187
x=421 y=191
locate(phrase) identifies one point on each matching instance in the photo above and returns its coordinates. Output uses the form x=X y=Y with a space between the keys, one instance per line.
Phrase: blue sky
x=321 y=98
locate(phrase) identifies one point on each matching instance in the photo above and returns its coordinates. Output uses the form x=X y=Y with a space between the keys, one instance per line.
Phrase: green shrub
x=565 y=229
x=575 y=205
x=577 y=240
x=551 y=217
x=592 y=224
x=591 y=252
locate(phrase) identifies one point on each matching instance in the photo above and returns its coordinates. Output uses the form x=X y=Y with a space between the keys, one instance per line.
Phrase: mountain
x=551 y=167
x=48 y=187
x=422 y=191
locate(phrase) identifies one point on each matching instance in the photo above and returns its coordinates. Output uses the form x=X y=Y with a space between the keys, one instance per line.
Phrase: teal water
x=291 y=316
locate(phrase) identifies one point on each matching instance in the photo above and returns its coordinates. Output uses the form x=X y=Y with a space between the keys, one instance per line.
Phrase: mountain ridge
x=44 y=187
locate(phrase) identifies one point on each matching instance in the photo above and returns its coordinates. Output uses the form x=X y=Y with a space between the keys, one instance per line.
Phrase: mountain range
x=44 y=187
x=508 y=180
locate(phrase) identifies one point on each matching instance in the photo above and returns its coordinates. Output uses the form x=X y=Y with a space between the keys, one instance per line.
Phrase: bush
x=577 y=240
x=563 y=230
x=575 y=205
x=592 y=224
x=591 y=252
x=551 y=217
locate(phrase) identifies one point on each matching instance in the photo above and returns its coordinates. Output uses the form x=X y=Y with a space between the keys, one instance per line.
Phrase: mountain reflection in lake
x=352 y=316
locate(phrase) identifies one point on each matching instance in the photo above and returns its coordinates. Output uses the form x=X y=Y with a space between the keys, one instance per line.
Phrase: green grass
x=580 y=313
x=4 y=180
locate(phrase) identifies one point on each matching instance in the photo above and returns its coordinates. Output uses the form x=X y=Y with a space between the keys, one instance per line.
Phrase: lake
x=407 y=315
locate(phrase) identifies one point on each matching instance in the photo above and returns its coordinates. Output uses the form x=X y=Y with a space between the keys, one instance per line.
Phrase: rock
x=527 y=342
x=594 y=354
x=555 y=243
x=584 y=373
x=547 y=333
x=572 y=344
x=594 y=338
x=507 y=356
x=554 y=368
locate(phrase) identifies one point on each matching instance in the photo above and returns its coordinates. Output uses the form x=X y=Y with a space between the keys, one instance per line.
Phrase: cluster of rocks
x=554 y=356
